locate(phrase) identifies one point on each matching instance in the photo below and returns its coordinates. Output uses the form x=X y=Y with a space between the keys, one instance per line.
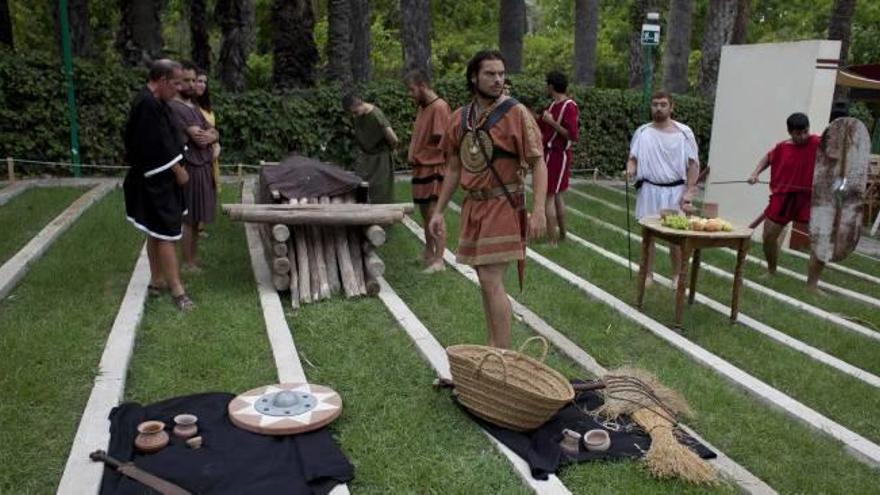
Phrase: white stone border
x=746 y=481
x=280 y=337
x=784 y=298
x=435 y=354
x=82 y=475
x=851 y=294
x=13 y=190
x=15 y=268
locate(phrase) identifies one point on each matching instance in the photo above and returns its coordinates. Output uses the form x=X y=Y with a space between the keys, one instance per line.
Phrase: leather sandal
x=183 y=303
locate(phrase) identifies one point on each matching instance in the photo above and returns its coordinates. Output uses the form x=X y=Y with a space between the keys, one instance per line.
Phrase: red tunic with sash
x=557 y=149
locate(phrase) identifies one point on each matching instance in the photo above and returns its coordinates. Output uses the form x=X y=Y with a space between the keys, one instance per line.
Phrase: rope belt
x=484 y=194
x=679 y=182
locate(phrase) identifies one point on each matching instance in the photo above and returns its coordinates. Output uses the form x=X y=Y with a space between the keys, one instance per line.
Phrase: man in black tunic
x=154 y=200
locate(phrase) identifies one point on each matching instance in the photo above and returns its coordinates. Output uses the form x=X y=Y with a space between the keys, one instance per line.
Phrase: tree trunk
x=78 y=23
x=637 y=12
x=360 y=40
x=198 y=28
x=339 y=41
x=5 y=25
x=294 y=47
x=511 y=27
x=416 y=34
x=586 y=34
x=741 y=24
x=678 y=46
x=233 y=17
x=720 y=19
x=139 y=40
x=840 y=25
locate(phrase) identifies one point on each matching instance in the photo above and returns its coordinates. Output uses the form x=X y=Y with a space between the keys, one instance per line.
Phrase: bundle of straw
x=655 y=407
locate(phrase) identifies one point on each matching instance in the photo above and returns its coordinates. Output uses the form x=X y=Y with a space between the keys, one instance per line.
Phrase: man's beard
x=485 y=95
x=656 y=117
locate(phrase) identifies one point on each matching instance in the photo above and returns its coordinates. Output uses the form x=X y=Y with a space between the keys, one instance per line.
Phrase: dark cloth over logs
x=231 y=460
x=302 y=177
x=540 y=448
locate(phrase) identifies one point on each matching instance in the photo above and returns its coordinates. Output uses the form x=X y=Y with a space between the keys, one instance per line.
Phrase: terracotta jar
x=151 y=436
x=185 y=425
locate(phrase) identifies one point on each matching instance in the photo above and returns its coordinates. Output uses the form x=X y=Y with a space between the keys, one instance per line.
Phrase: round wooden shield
x=285 y=408
x=472 y=159
x=839 y=180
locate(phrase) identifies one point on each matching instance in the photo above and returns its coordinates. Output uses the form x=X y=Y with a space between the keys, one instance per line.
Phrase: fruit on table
x=681 y=222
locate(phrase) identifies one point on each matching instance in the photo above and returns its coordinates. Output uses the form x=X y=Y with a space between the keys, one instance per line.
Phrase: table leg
x=694 y=269
x=737 y=277
x=647 y=239
x=682 y=276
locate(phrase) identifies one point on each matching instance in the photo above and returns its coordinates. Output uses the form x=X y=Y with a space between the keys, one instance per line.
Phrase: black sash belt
x=679 y=182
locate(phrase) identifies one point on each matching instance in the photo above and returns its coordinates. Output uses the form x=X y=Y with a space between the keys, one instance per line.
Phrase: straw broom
x=654 y=407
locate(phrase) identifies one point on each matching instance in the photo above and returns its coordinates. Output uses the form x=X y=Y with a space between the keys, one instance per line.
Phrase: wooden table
x=691 y=242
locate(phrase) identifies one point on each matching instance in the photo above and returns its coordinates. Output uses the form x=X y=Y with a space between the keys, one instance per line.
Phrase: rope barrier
x=110 y=167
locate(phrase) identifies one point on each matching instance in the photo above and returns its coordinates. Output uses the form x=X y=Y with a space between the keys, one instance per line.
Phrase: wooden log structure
x=363 y=216
x=343 y=255
x=302 y=263
x=294 y=276
x=280 y=232
x=372 y=263
x=317 y=240
x=330 y=253
x=376 y=235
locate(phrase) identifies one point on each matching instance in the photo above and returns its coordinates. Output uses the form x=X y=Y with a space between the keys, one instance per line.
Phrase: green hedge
x=260 y=125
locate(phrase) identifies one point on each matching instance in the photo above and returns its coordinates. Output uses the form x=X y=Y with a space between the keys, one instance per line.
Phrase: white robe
x=662 y=158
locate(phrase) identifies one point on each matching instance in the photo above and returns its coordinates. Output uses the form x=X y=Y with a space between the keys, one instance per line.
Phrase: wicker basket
x=508 y=388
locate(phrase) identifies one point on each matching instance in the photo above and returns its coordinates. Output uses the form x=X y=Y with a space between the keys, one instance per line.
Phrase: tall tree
x=637 y=12
x=339 y=41
x=717 y=32
x=511 y=27
x=78 y=26
x=678 y=46
x=586 y=35
x=360 y=40
x=233 y=18
x=294 y=47
x=5 y=25
x=741 y=24
x=139 y=39
x=200 y=46
x=416 y=34
x=840 y=25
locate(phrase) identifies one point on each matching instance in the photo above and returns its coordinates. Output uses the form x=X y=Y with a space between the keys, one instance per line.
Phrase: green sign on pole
x=71 y=95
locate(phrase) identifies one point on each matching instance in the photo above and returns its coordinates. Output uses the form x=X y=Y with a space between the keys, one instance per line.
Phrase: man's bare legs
x=814 y=270
x=190 y=247
x=772 y=231
x=560 y=214
x=163 y=265
x=674 y=260
x=434 y=246
x=496 y=306
x=552 y=218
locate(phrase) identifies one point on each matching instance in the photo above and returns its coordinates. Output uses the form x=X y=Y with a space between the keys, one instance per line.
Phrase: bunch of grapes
x=679 y=222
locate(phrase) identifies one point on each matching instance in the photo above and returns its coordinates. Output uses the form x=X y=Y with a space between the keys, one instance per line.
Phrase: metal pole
x=71 y=96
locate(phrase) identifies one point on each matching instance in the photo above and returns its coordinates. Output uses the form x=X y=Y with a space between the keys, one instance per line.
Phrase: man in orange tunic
x=490 y=234
x=427 y=160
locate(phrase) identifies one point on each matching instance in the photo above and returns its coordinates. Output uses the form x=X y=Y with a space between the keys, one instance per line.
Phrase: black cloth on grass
x=231 y=460
x=540 y=448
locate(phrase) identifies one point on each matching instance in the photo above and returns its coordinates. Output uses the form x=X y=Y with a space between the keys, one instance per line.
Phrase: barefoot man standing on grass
x=427 y=160
x=153 y=186
x=490 y=144
x=665 y=163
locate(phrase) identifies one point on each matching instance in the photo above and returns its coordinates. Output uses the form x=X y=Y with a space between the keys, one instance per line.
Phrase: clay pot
x=710 y=210
x=185 y=425
x=571 y=441
x=194 y=442
x=151 y=437
x=597 y=440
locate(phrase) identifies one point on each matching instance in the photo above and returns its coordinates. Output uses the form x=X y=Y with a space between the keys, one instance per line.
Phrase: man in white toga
x=664 y=162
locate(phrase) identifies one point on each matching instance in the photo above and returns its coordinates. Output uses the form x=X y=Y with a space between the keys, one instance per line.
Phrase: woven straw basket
x=506 y=387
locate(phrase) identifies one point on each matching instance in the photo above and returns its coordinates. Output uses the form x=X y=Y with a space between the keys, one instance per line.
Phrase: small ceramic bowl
x=151 y=436
x=597 y=440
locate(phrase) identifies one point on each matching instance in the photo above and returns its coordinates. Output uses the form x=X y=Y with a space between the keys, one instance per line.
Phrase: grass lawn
x=779 y=450
x=52 y=331
x=26 y=214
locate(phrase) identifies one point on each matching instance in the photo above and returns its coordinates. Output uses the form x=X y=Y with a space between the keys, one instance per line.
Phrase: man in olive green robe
x=375 y=139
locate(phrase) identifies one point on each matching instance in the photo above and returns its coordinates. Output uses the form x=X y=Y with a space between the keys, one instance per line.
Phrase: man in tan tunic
x=491 y=230
x=426 y=159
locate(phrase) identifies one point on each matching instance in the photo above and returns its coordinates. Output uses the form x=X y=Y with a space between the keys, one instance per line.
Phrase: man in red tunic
x=559 y=130
x=490 y=233
x=427 y=160
x=791 y=165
